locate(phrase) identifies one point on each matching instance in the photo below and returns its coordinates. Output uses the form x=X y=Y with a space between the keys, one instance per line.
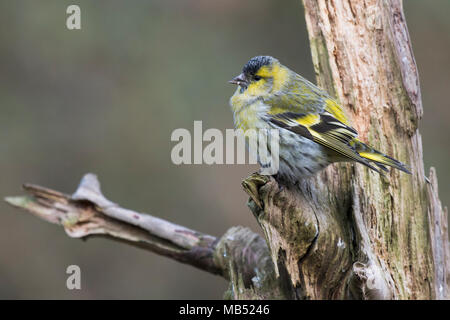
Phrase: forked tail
x=378 y=158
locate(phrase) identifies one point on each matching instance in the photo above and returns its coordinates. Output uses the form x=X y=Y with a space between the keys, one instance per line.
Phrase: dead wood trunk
x=349 y=233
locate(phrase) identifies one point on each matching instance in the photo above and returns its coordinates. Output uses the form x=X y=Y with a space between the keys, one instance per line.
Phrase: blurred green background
x=106 y=99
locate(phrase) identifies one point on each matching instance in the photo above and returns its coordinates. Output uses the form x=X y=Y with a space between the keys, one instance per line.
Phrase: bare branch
x=240 y=255
x=87 y=212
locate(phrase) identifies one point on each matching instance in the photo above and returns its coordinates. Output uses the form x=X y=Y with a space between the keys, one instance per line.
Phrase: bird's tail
x=380 y=159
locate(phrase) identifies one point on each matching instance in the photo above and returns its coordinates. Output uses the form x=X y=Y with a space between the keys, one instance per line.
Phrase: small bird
x=313 y=128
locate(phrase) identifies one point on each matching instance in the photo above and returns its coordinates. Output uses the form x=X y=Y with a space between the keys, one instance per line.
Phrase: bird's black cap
x=253 y=65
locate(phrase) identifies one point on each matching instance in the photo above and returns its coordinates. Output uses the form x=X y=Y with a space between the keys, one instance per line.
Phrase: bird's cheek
x=257 y=88
x=252 y=89
x=269 y=85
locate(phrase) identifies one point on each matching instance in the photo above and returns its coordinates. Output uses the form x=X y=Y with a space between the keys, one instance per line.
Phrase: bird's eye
x=257 y=78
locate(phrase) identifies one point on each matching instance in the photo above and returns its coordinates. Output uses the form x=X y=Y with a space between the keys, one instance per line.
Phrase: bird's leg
x=279 y=180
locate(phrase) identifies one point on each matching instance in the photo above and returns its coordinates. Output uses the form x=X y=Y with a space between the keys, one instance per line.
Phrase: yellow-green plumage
x=314 y=130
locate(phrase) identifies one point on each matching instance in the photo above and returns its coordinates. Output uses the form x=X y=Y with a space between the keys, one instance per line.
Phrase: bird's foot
x=281 y=186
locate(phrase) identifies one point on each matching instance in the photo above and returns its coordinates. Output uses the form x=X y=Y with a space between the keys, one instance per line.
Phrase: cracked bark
x=240 y=255
x=350 y=233
x=347 y=233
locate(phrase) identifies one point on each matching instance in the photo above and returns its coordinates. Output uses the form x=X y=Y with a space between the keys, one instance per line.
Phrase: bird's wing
x=336 y=111
x=323 y=128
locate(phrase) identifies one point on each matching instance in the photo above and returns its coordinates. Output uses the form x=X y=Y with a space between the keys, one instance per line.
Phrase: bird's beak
x=240 y=80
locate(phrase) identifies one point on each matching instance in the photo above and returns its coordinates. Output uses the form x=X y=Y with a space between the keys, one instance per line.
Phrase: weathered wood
x=350 y=233
x=240 y=255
